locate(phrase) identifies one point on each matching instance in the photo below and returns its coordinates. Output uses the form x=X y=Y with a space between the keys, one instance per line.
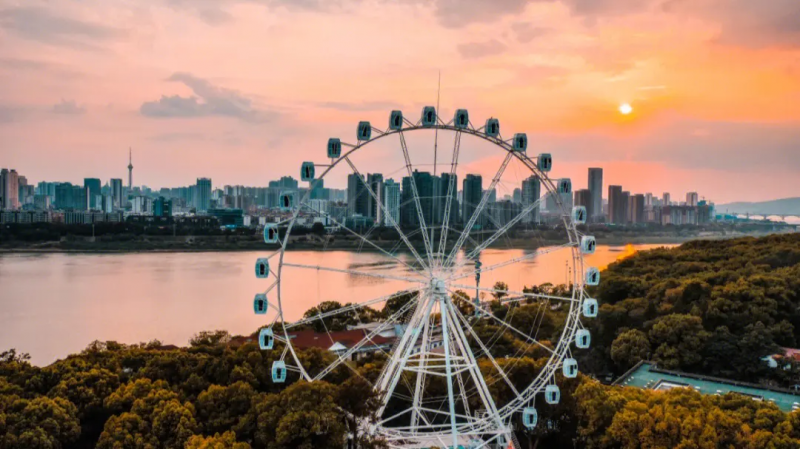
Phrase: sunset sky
x=243 y=91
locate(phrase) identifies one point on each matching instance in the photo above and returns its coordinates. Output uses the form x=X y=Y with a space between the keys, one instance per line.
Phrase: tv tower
x=130 y=169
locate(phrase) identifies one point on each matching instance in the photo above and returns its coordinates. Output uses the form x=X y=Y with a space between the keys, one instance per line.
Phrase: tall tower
x=130 y=169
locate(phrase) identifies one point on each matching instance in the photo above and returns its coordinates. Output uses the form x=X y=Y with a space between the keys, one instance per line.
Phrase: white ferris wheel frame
x=495 y=422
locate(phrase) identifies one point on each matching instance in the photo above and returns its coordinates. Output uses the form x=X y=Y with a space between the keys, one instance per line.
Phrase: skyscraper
x=357 y=196
x=375 y=181
x=666 y=199
x=203 y=194
x=595 y=207
x=691 y=199
x=473 y=192
x=426 y=186
x=391 y=199
x=626 y=204
x=637 y=214
x=583 y=198
x=92 y=185
x=116 y=192
x=444 y=189
x=9 y=189
x=531 y=190
x=616 y=209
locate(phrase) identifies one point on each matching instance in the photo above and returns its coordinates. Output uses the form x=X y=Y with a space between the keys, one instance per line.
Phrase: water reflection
x=139 y=297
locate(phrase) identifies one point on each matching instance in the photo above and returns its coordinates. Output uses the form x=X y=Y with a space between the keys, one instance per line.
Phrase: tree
x=221 y=408
x=126 y=431
x=38 y=423
x=173 y=423
x=225 y=441
x=678 y=340
x=303 y=416
x=629 y=348
x=210 y=338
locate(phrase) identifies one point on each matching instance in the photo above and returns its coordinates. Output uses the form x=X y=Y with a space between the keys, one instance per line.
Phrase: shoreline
x=518 y=244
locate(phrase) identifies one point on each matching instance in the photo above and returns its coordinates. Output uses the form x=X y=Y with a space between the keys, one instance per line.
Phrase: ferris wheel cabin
x=583 y=338
x=520 y=142
x=428 y=116
x=492 y=128
x=262 y=268
x=588 y=244
x=592 y=277
x=279 y=371
x=334 y=148
x=530 y=417
x=590 y=307
x=570 y=368
x=461 y=120
x=396 y=120
x=564 y=185
x=266 y=339
x=271 y=234
x=552 y=394
x=287 y=201
x=307 y=171
x=364 y=131
x=545 y=162
x=260 y=304
x=579 y=214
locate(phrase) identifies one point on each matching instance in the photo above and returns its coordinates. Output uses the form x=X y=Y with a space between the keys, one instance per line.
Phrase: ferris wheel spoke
x=417 y=280
x=386 y=213
x=386 y=325
x=415 y=193
x=477 y=213
x=447 y=208
x=512 y=293
x=533 y=255
x=515 y=330
x=364 y=239
x=503 y=229
x=346 y=309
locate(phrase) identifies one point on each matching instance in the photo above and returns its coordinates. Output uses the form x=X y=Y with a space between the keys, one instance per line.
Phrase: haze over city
x=224 y=89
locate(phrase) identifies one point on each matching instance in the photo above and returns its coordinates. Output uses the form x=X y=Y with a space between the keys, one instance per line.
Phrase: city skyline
x=709 y=87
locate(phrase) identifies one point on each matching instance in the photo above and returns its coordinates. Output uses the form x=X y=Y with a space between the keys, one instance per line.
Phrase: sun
x=625 y=109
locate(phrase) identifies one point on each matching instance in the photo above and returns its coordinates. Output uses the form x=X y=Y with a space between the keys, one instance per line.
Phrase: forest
x=706 y=307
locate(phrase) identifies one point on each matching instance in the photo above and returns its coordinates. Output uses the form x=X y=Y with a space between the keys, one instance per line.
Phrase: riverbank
x=190 y=244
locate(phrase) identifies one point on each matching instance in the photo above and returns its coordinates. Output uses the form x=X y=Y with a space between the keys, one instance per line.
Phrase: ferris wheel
x=436 y=343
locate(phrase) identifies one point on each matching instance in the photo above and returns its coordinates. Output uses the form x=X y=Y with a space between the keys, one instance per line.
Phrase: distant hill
x=784 y=206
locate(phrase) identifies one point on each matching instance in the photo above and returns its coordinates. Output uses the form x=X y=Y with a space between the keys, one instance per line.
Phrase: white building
x=391 y=199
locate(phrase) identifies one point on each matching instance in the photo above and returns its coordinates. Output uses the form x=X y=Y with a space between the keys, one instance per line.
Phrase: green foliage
x=225 y=441
x=712 y=307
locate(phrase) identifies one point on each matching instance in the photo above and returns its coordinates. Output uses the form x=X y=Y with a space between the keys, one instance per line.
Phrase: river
x=56 y=304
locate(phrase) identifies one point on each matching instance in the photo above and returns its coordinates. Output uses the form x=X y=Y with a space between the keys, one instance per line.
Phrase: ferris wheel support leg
x=448 y=370
x=415 y=411
x=477 y=376
x=391 y=375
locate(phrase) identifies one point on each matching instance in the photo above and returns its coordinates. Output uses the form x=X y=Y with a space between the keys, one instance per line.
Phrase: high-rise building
x=162 y=207
x=691 y=199
x=426 y=186
x=638 y=209
x=517 y=195
x=626 y=203
x=70 y=197
x=375 y=182
x=9 y=189
x=616 y=208
x=665 y=199
x=473 y=192
x=595 y=207
x=93 y=186
x=445 y=183
x=583 y=198
x=531 y=190
x=41 y=202
x=391 y=199
x=116 y=193
x=203 y=194
x=357 y=195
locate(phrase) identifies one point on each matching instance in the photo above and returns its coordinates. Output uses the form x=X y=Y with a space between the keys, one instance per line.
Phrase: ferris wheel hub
x=438 y=286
